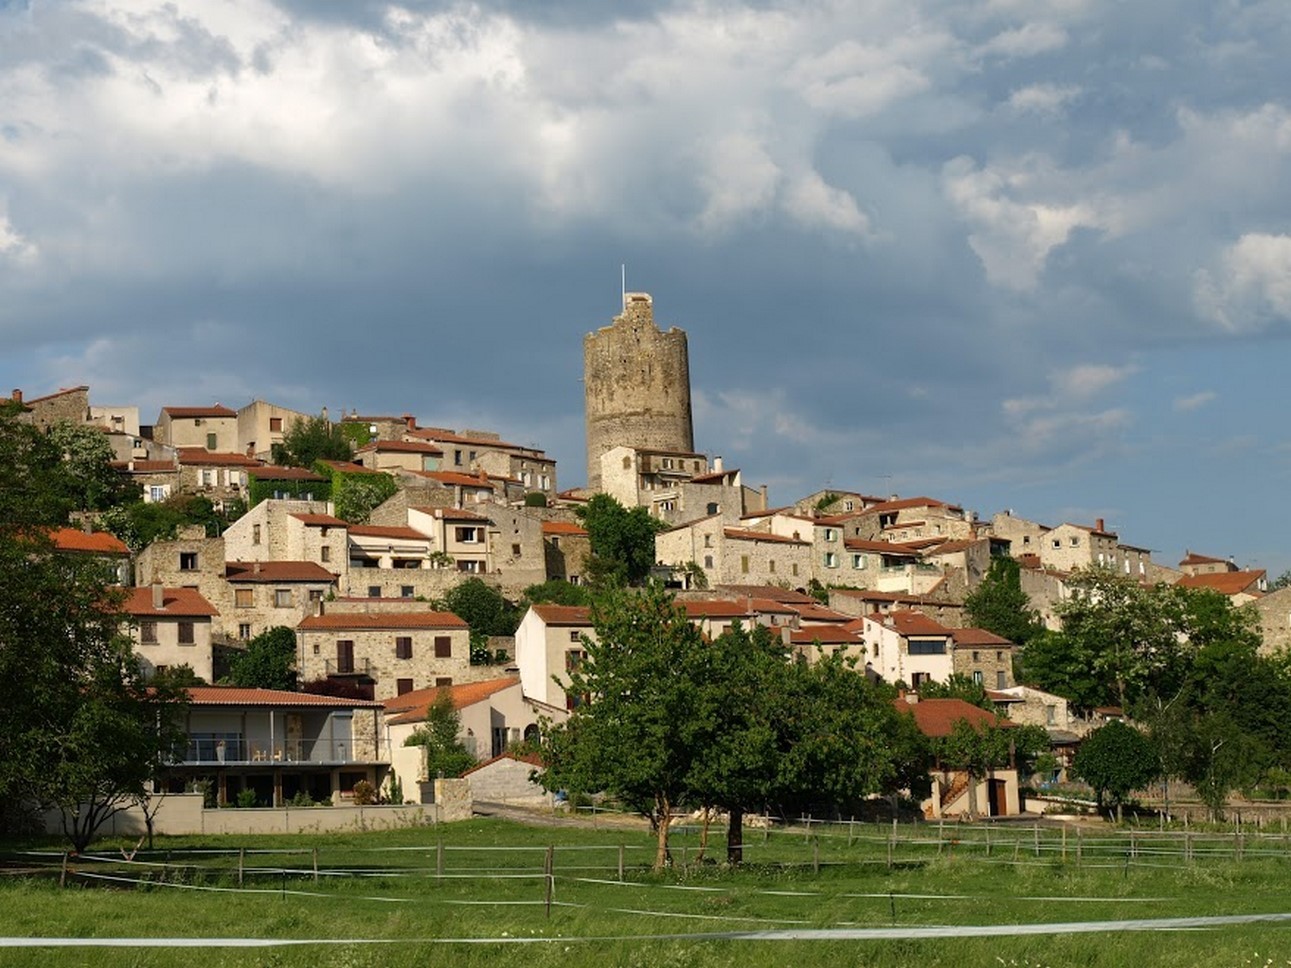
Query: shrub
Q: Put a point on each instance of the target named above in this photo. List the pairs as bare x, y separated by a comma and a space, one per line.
246, 798
365, 794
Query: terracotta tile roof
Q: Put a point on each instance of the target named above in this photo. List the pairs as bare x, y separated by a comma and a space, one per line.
380, 531
767, 606
348, 467
893, 598
180, 602
401, 447
563, 527
216, 411
276, 571
980, 637
274, 472
815, 612
564, 614
412, 707
715, 608
1085, 527
739, 534
937, 717
60, 392
440, 435
199, 455
902, 504
951, 547
453, 514
713, 476
320, 521
769, 512
458, 479
1226, 582
1192, 558
145, 466
573, 495
236, 696
533, 759
99, 543
880, 547
366, 621
774, 593
909, 623
825, 635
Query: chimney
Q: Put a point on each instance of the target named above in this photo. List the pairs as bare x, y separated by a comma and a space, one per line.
17, 396
717, 464
158, 596
1098, 524
763, 489
255, 568
410, 420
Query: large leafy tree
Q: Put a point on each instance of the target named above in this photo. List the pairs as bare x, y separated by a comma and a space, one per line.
309, 440
91, 481
445, 753
484, 609
269, 661
1116, 760
622, 542
79, 730
1000, 605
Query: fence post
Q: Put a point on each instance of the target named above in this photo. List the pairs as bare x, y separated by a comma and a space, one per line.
1187, 846
549, 867
62, 877
988, 841
1064, 843
1037, 838
891, 847
941, 823
242, 858
315, 865
851, 831
439, 861
815, 855
806, 832
1080, 843
621, 861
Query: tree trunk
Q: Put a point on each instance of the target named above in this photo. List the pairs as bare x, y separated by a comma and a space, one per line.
735, 837
664, 812
1118, 813
972, 797
703, 834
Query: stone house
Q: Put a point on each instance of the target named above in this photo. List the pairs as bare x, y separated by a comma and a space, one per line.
811, 642
288, 531
729, 555
460, 533
391, 653
859, 603
261, 425
211, 428
908, 647
68, 405
157, 480
279, 744
472, 451
1274, 611
1239, 586
170, 627
272, 482
470, 489
267, 594
1195, 564
984, 657
106, 548
399, 455
907, 519
548, 645
218, 477
830, 502
566, 548
715, 616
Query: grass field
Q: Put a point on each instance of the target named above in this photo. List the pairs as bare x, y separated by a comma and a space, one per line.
398, 897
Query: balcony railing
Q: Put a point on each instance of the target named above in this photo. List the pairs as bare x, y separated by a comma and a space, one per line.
354, 667
239, 751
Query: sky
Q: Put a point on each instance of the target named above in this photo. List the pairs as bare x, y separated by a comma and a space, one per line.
1022, 254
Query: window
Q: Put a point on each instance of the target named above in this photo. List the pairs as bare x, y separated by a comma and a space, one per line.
344, 656
858, 562
847, 505
325, 553
374, 591
667, 463
208, 478
275, 425
744, 564
244, 597
794, 568
188, 561
927, 647
515, 551
403, 647
443, 647
830, 534
441, 681
473, 567
771, 566
157, 492
457, 458
708, 541
211, 441
186, 632
402, 685
573, 659
1075, 541
148, 632
1050, 714
977, 676
976, 657
831, 559
575, 635
708, 561
712, 507
467, 535
255, 534
407, 591
1057, 542
1026, 539
282, 598
627, 463
1001, 679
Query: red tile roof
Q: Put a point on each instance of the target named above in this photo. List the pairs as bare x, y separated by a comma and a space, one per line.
216, 411
880, 547
980, 637
815, 612
715, 608
449, 437
376, 621
713, 476
564, 614
236, 696
401, 447
98, 543
1192, 558
321, 521
381, 531
412, 707
180, 602
273, 472
199, 455
909, 623
348, 467
1226, 582
61, 391
785, 596
563, 527
902, 504
937, 717
276, 571
825, 635
739, 534
453, 514
458, 479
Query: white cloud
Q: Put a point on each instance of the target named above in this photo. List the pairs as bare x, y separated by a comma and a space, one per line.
14, 246
1250, 288
1088, 380
1194, 401
813, 202
1042, 99
1025, 41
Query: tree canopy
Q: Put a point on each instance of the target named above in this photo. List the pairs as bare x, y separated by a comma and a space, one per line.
1000, 605
445, 753
311, 439
1116, 760
268, 662
621, 540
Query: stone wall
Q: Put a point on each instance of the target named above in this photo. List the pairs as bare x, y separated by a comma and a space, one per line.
636, 385
66, 406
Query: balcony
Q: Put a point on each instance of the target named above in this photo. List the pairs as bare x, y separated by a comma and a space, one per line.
319, 751
351, 667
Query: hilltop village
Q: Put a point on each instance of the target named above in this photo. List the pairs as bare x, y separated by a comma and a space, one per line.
350, 554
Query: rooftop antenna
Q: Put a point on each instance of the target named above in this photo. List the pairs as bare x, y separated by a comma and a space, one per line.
623, 271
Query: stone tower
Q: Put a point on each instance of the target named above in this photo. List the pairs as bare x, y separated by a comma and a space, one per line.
637, 385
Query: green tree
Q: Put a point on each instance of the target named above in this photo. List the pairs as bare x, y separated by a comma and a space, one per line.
1000, 605
621, 540
556, 591
91, 481
484, 609
976, 750
446, 755
355, 496
637, 738
1223, 758
268, 662
1282, 581
1116, 760
958, 686
309, 440
140, 523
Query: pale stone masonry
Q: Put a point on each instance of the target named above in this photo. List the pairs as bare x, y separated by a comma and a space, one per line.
170, 627
213, 428
984, 657
396, 651
730, 555
261, 425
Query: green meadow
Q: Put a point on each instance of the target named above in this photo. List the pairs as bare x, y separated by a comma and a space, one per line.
479, 893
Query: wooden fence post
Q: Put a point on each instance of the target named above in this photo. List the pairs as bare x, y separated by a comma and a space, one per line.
62, 877
815, 855
439, 861
315, 865
242, 859
621, 850
549, 867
